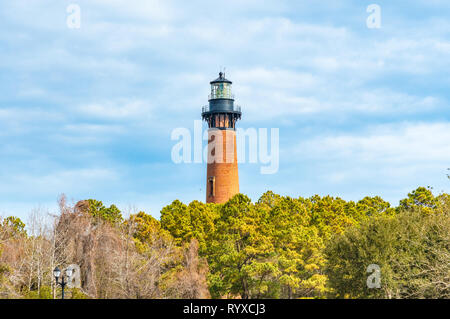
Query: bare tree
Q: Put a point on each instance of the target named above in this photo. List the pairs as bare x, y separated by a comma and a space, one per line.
113, 262
190, 283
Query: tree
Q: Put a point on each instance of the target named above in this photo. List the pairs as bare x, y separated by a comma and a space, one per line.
13, 226
421, 198
298, 249
13, 268
240, 253
268, 200
99, 211
148, 264
412, 250
195, 221
203, 219
177, 221
279, 247
145, 228
189, 280
332, 215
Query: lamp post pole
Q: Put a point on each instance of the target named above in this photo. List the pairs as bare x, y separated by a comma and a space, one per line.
63, 284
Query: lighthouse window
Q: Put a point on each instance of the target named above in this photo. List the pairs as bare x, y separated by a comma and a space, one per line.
221, 90
211, 186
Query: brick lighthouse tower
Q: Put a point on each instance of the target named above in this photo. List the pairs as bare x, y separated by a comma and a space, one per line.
222, 180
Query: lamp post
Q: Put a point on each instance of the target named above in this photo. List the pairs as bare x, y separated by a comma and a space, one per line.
63, 282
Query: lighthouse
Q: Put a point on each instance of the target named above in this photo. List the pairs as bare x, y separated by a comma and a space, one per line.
221, 115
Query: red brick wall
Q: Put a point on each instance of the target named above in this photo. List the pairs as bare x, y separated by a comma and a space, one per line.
225, 173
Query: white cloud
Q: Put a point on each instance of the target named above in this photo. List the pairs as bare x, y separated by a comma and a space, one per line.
263, 78
118, 110
150, 10
267, 93
56, 182
388, 160
399, 144
386, 101
137, 68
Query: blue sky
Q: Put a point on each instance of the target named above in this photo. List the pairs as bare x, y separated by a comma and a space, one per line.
88, 112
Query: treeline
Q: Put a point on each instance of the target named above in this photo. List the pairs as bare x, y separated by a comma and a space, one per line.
278, 247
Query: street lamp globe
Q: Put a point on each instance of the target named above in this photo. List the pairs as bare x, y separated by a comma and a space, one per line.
57, 272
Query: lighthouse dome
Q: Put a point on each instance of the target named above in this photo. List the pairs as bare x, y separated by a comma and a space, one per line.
221, 79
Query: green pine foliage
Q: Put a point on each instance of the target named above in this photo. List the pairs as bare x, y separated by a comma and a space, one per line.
276, 247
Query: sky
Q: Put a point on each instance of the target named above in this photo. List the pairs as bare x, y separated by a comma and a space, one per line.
89, 111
